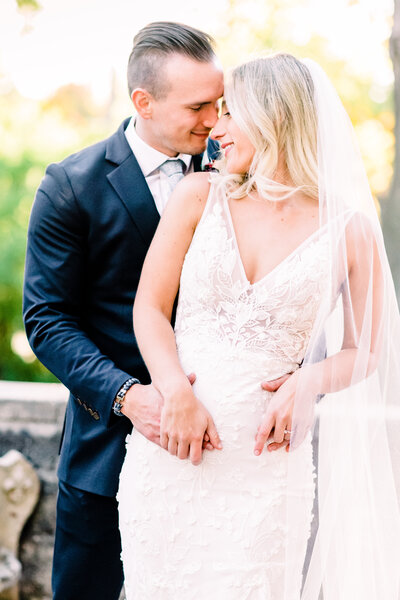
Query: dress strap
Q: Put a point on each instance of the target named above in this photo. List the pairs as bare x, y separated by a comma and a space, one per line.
214, 196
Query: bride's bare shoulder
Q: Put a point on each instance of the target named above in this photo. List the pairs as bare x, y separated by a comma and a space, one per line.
363, 236
190, 195
359, 227
194, 186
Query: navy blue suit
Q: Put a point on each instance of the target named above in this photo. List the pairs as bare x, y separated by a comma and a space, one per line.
91, 224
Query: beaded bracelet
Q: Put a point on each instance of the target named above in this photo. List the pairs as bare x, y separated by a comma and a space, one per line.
120, 397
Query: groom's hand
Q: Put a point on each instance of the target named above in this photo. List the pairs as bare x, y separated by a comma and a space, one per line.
143, 405
274, 384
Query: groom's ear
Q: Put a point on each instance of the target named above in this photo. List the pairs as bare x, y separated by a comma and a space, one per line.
142, 101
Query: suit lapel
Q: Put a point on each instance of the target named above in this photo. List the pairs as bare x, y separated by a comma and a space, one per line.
129, 183
197, 162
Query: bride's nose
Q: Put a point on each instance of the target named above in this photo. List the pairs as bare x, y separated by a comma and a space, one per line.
219, 130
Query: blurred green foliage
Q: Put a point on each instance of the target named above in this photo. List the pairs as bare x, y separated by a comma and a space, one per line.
31, 4
18, 179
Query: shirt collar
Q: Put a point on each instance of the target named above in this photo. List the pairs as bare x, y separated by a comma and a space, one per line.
149, 158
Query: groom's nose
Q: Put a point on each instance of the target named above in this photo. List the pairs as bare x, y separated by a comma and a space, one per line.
210, 116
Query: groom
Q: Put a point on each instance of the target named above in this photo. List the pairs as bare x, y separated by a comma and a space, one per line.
92, 221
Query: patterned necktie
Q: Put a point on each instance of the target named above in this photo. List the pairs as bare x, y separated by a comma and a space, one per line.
174, 170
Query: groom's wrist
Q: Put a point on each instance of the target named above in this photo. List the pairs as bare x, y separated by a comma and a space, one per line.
120, 397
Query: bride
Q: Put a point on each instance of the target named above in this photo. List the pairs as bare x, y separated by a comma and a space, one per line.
280, 262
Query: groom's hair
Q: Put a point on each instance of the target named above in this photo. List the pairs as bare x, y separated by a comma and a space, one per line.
152, 46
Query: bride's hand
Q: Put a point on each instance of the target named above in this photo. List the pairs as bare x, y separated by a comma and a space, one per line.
278, 418
184, 423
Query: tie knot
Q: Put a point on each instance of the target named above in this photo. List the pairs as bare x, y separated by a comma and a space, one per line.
174, 170
173, 167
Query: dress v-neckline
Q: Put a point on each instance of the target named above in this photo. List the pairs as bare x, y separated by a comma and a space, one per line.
279, 264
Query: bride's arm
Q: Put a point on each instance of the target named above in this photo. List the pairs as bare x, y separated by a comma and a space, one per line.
362, 297
184, 420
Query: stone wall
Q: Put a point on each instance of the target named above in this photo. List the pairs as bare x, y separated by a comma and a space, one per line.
31, 419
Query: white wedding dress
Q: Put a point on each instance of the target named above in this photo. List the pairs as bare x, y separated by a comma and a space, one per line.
218, 530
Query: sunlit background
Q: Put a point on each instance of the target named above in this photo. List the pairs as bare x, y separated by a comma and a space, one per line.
62, 86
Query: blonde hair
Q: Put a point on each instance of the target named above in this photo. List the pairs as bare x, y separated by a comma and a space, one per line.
272, 101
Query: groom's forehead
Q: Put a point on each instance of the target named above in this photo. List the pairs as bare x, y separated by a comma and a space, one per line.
192, 75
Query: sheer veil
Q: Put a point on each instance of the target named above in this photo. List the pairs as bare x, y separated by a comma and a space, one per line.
352, 396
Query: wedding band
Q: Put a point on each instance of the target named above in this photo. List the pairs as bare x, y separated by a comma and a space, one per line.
287, 431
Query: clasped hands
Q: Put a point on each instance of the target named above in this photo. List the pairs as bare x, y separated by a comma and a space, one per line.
186, 426
183, 426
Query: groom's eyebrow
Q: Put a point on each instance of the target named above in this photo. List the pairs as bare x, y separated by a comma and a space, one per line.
199, 103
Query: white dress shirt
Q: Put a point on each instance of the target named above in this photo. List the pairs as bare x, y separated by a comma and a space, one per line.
150, 160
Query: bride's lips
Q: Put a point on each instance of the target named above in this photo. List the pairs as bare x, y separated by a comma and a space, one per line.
227, 148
